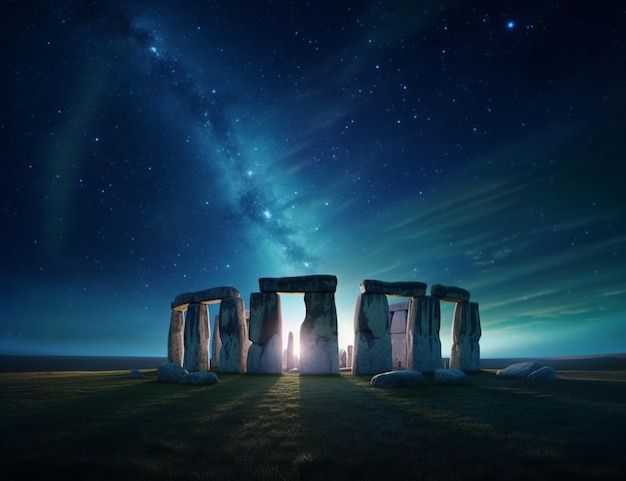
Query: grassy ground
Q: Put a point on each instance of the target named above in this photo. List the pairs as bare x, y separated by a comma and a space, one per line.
106, 426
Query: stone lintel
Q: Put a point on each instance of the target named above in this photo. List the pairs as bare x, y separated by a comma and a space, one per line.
207, 296
450, 293
399, 306
398, 289
299, 284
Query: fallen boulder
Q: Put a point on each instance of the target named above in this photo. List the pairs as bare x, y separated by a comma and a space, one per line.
450, 376
170, 372
545, 373
136, 374
398, 379
519, 370
200, 378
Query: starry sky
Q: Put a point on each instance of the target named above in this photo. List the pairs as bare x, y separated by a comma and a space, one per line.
151, 148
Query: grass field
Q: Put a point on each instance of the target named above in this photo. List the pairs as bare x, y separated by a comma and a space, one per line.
104, 425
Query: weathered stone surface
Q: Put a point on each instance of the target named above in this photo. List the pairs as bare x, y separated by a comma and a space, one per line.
545, 373
216, 343
398, 379
207, 296
450, 293
397, 334
422, 334
350, 356
343, 358
315, 283
466, 332
234, 335
319, 350
265, 317
266, 358
175, 338
372, 344
170, 372
136, 374
200, 379
519, 370
450, 376
196, 340
399, 306
398, 289
290, 361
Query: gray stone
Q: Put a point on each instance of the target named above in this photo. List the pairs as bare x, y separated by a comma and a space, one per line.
450, 376
200, 378
170, 372
398, 289
175, 338
207, 296
343, 359
265, 317
422, 335
350, 356
466, 332
234, 335
182, 301
450, 293
545, 373
289, 361
399, 306
136, 374
372, 344
398, 379
315, 283
216, 343
519, 370
265, 332
397, 334
319, 350
196, 339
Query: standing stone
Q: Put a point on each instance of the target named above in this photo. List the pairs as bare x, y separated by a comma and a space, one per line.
265, 352
350, 356
466, 332
234, 335
422, 334
216, 343
175, 338
397, 333
290, 363
196, 357
372, 344
319, 349
342, 359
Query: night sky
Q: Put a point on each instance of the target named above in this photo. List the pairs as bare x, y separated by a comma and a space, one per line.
152, 148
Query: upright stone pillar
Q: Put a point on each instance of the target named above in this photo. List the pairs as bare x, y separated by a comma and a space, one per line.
216, 343
290, 362
466, 332
234, 334
350, 356
265, 352
175, 338
422, 334
319, 349
196, 356
397, 331
372, 344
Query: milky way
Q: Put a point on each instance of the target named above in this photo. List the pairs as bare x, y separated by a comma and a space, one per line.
151, 149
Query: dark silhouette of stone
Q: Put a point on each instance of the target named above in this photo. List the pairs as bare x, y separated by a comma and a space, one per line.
319, 350
234, 335
450, 376
398, 379
207, 296
423, 343
399, 289
196, 338
265, 352
136, 374
170, 372
397, 333
519, 370
175, 338
216, 343
545, 373
314, 283
466, 332
450, 293
372, 344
